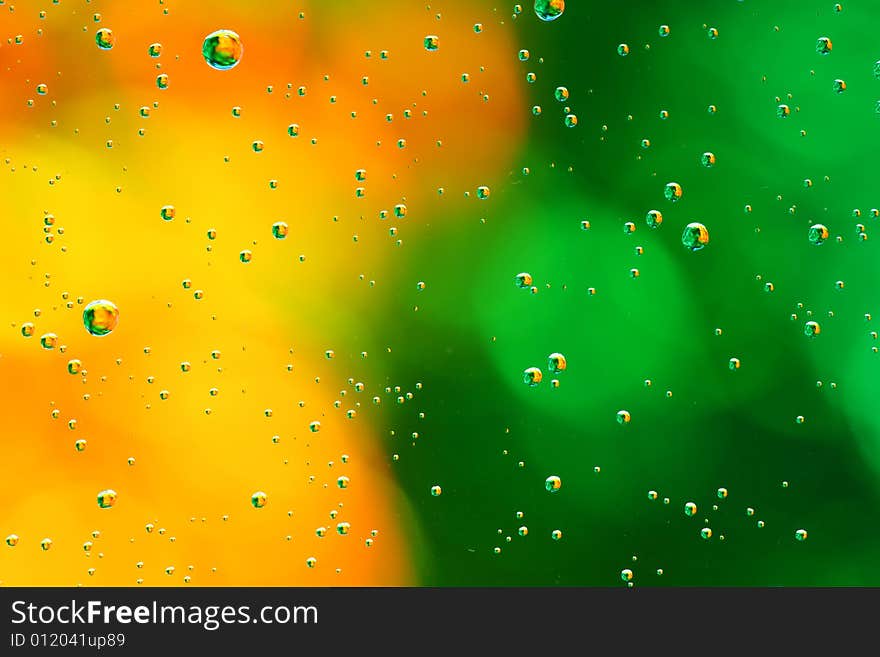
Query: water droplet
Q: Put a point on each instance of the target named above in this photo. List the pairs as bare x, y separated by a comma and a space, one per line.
222, 49
105, 38
549, 10
556, 363
259, 499
100, 317
532, 376
817, 234
107, 498
695, 236
672, 191
553, 483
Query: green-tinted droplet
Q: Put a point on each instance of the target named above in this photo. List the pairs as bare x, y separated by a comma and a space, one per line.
100, 317
553, 483
549, 10
222, 49
107, 498
105, 38
695, 236
817, 234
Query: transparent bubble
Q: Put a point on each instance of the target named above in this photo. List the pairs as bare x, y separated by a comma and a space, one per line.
167, 212
695, 236
672, 191
708, 159
343, 528
311, 562
524, 55
654, 218
80, 445
279, 230
817, 234
100, 317
259, 499
46, 544
48, 340
74, 366
549, 10
783, 111
556, 363
734, 364
652, 495
27, 330
571, 120
222, 49
839, 86
343, 482
436, 491
706, 533
556, 534
314, 426
105, 38
432, 42
155, 49
626, 575
690, 509
532, 376
663, 31
801, 535
483, 192
162, 80
623, 417
823, 45
561, 94
107, 498
553, 483
246, 256
812, 329
623, 50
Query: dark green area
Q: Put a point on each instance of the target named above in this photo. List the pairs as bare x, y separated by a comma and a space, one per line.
720, 428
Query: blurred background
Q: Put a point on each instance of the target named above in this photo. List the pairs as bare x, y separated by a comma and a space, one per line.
366, 372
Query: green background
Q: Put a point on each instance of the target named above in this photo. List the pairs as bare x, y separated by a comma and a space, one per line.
476, 332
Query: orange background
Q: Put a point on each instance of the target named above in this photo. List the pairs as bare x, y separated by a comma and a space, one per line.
193, 468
